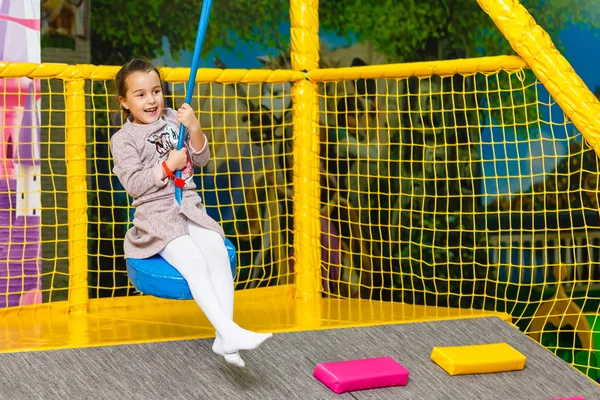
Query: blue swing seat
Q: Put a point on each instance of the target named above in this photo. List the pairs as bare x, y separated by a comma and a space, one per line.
156, 277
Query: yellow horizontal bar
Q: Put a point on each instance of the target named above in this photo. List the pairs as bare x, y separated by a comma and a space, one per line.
102, 72
19, 70
422, 69
232, 75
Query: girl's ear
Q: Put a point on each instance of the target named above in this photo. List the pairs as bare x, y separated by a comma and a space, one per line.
123, 102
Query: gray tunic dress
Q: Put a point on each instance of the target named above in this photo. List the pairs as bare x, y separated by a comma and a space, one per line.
138, 152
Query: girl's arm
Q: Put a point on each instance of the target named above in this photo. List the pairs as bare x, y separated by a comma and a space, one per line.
135, 178
200, 157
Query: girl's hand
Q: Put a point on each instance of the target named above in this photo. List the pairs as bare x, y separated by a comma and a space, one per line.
187, 117
177, 159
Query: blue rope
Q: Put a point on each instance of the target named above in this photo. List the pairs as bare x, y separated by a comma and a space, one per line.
191, 84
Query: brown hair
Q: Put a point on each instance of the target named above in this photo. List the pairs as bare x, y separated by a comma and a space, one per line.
135, 65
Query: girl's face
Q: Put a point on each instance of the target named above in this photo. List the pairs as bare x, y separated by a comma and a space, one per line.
144, 97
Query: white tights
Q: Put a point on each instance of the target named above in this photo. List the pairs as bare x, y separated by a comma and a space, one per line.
201, 258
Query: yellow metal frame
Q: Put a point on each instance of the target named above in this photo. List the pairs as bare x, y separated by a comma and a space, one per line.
175, 75
305, 77
81, 322
254, 76
304, 22
419, 69
77, 195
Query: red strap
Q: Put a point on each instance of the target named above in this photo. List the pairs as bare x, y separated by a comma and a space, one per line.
167, 170
180, 183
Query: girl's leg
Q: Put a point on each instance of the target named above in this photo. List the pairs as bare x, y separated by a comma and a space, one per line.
183, 254
213, 249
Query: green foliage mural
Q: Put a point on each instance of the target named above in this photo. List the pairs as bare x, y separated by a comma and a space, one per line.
404, 31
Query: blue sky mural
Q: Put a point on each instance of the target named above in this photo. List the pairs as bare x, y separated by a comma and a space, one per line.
511, 163
514, 164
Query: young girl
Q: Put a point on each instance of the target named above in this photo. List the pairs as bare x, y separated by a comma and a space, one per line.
145, 158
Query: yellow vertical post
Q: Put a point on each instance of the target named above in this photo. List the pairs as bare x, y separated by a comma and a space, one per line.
77, 195
304, 20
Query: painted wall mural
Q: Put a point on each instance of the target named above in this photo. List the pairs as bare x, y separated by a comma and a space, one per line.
20, 203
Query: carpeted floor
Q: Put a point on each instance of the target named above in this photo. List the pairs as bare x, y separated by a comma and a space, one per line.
282, 368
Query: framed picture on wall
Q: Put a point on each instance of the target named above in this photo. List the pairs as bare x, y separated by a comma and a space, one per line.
62, 22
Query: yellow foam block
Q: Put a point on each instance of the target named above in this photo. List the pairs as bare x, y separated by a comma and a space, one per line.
478, 359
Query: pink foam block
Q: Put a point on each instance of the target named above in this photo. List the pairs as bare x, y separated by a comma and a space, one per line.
369, 373
569, 398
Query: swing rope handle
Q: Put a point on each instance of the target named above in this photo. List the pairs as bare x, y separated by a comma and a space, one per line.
191, 84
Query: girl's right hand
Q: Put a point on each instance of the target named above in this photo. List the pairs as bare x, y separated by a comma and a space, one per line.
177, 159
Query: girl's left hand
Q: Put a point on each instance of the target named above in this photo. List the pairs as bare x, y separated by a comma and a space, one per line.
187, 117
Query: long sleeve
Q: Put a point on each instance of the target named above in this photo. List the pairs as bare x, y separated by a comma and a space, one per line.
200, 157
135, 178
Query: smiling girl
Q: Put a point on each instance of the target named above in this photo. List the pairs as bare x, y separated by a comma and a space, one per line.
145, 157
